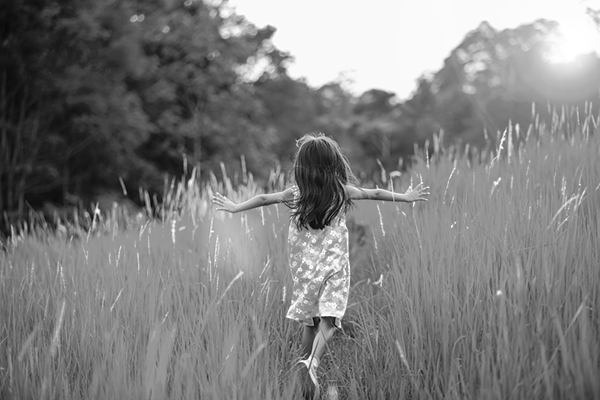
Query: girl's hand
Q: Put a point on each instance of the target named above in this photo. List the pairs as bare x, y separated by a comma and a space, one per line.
223, 203
418, 193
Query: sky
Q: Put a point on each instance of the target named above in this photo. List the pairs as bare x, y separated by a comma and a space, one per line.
388, 44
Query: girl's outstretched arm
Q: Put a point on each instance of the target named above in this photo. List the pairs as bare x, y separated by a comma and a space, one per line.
417, 193
224, 204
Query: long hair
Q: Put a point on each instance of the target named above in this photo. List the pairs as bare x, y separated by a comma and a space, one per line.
321, 172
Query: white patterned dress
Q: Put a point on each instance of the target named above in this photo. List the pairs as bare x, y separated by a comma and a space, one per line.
320, 271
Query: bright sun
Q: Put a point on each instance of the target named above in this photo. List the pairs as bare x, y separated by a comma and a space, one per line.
577, 36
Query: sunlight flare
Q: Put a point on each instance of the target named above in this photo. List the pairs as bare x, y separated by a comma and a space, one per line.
577, 36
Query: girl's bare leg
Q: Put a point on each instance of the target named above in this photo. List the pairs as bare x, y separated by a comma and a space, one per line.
325, 333
308, 337
326, 329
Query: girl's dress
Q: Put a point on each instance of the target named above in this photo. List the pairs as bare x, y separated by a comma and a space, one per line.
320, 270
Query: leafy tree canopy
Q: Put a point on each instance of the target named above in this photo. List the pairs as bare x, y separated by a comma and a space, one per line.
93, 91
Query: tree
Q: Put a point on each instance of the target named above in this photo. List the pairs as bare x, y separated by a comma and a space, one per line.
200, 97
377, 121
491, 78
92, 91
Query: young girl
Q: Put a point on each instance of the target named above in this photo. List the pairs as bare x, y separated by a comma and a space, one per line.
318, 238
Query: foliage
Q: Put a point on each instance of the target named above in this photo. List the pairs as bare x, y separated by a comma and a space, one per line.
124, 90
493, 78
99, 97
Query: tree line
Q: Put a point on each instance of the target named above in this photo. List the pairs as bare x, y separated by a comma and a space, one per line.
97, 95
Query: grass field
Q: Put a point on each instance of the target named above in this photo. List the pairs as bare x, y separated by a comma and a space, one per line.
488, 291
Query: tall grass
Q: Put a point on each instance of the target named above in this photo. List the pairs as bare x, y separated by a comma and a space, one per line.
488, 291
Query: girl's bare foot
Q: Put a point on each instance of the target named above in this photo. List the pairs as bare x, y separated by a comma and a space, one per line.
311, 366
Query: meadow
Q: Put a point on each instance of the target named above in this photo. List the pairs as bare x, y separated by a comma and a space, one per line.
490, 290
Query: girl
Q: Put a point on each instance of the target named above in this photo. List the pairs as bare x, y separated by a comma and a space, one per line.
318, 238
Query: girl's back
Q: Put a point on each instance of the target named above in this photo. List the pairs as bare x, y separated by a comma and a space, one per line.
321, 173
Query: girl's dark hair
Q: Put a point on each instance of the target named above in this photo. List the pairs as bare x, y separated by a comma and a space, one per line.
321, 172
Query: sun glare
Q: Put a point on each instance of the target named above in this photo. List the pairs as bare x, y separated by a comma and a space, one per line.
577, 36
